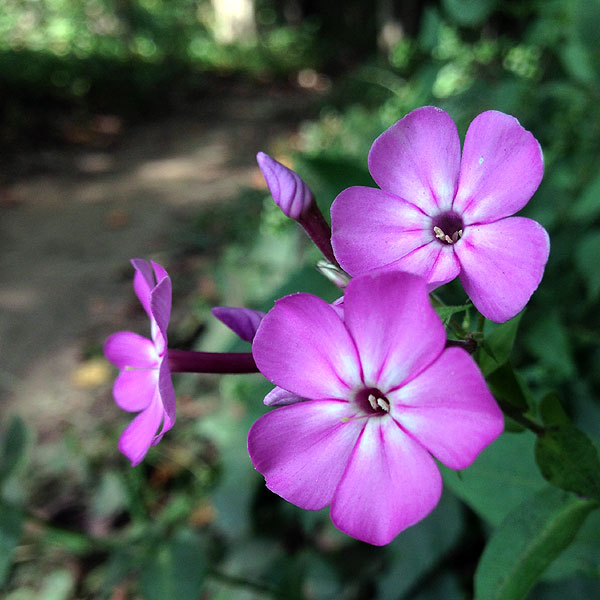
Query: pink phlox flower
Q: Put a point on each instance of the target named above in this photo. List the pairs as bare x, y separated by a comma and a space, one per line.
144, 383
381, 398
242, 321
440, 216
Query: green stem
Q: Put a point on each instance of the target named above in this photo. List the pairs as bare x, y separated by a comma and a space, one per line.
520, 418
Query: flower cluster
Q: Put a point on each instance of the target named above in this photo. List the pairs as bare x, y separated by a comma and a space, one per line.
368, 390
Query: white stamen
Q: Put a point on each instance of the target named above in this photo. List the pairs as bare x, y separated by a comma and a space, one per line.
373, 401
448, 239
460, 233
383, 404
455, 236
438, 233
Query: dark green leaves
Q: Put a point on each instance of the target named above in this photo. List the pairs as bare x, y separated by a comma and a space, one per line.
13, 447
526, 542
568, 459
11, 524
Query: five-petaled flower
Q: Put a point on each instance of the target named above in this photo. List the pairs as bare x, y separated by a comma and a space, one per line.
377, 397
144, 384
439, 216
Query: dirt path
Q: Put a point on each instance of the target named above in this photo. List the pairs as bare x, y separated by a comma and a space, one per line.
67, 235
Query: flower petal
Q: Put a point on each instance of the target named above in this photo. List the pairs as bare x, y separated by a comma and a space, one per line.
134, 388
128, 349
143, 282
502, 166
395, 328
160, 306
137, 437
242, 321
167, 393
502, 264
371, 228
302, 449
418, 159
280, 397
449, 409
435, 262
391, 482
303, 346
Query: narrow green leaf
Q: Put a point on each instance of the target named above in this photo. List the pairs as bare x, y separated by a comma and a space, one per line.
13, 447
568, 459
507, 386
498, 345
552, 412
526, 542
11, 525
445, 313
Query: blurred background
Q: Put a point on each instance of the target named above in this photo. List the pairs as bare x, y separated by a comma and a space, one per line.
128, 128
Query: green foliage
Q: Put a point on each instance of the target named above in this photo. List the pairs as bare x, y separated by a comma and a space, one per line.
11, 526
526, 542
13, 448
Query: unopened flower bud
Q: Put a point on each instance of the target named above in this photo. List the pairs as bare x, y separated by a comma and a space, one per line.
242, 321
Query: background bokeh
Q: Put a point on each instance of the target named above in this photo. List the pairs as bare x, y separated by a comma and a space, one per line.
129, 128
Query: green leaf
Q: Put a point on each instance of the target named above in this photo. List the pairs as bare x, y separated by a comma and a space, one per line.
498, 345
445, 313
508, 387
569, 460
11, 526
176, 569
552, 412
586, 260
13, 447
526, 542
503, 475
419, 548
587, 207
469, 12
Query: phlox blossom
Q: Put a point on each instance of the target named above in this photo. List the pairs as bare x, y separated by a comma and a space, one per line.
144, 383
441, 216
371, 399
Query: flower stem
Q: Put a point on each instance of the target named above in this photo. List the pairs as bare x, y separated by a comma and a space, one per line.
186, 361
318, 230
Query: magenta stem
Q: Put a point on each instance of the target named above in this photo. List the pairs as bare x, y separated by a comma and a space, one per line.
318, 230
186, 361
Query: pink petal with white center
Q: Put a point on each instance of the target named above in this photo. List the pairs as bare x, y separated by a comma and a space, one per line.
418, 159
502, 265
242, 321
138, 436
160, 306
435, 262
143, 282
280, 397
302, 449
134, 388
372, 228
394, 326
128, 349
502, 166
303, 347
449, 409
390, 483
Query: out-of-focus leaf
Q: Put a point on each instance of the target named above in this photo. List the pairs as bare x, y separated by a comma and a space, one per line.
13, 447
58, 585
497, 345
508, 387
469, 12
587, 252
526, 542
552, 412
500, 479
568, 459
175, 569
582, 556
419, 548
587, 207
578, 62
11, 526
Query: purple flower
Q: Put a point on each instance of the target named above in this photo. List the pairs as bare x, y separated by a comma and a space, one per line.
381, 398
242, 321
439, 216
144, 383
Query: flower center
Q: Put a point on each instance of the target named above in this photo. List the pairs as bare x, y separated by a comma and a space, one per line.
448, 227
372, 402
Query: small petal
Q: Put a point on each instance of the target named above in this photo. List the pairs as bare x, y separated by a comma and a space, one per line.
302, 449
242, 321
289, 191
138, 436
449, 409
143, 282
418, 159
134, 388
391, 483
160, 306
303, 347
280, 397
435, 262
167, 393
502, 265
371, 228
502, 166
394, 326
128, 349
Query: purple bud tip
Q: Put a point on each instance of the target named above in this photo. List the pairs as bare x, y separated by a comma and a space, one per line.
242, 321
290, 193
